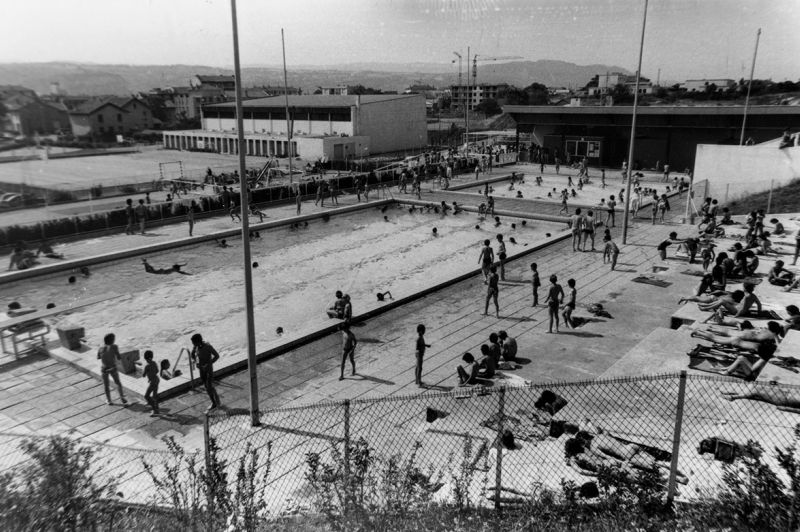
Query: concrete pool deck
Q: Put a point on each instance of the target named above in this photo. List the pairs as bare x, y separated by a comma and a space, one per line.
34, 391
30, 396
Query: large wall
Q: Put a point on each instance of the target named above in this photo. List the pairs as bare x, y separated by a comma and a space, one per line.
393, 125
733, 171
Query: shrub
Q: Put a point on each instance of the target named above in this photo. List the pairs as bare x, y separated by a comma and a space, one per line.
60, 196
59, 488
92, 222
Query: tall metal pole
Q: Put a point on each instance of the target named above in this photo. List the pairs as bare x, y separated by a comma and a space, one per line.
248, 275
466, 107
633, 133
749, 85
288, 120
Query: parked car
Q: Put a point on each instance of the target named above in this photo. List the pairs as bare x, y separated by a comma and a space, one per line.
11, 200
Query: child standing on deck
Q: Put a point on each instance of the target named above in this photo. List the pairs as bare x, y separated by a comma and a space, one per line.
536, 284
570, 306
151, 373
554, 298
420, 353
611, 251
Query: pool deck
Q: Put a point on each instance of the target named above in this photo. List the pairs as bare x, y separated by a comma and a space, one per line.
39, 394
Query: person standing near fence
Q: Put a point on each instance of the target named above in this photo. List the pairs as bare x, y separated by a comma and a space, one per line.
419, 353
141, 214
349, 344
204, 356
129, 214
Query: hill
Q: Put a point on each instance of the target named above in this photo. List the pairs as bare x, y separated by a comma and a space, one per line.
81, 78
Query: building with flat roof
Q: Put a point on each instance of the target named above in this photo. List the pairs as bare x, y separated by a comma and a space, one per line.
700, 85
664, 134
609, 80
472, 95
338, 90
336, 127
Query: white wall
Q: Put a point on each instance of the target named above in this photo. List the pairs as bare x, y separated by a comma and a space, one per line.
740, 170
393, 125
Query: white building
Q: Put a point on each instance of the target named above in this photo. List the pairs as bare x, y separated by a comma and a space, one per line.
699, 85
337, 127
473, 95
609, 80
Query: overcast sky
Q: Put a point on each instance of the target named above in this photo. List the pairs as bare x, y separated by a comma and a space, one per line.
685, 38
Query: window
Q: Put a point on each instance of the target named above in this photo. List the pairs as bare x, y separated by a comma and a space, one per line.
100, 119
119, 117
119, 128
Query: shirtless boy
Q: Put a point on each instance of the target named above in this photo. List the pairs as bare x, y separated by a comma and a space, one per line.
486, 259
555, 297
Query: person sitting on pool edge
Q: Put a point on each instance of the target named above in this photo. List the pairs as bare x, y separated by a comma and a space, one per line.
46, 249
468, 372
337, 307
509, 347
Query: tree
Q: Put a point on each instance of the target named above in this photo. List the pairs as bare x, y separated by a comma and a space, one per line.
513, 96
361, 89
157, 106
537, 94
621, 93
489, 107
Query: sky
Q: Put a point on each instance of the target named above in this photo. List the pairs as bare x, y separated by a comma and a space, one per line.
685, 39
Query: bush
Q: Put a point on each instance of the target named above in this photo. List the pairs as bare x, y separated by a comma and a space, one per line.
60, 196
128, 189
92, 222
58, 489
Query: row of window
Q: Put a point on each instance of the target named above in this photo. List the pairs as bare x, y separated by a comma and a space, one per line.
119, 117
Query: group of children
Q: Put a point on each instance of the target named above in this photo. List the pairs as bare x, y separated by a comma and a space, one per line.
23, 258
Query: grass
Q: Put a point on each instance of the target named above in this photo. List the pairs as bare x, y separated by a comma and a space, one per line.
784, 199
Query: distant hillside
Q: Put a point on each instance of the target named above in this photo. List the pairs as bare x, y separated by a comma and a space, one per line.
75, 78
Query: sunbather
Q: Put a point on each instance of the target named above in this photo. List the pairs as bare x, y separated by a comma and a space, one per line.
787, 400
750, 339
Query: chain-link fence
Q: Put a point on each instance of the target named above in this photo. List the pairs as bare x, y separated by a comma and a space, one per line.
494, 445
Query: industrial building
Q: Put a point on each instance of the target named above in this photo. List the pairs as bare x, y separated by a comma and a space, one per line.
473, 95
664, 134
336, 127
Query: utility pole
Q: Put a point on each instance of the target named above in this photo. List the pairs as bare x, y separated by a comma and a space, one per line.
633, 133
466, 107
288, 119
749, 85
248, 274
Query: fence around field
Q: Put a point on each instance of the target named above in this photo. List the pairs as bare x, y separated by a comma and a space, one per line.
658, 422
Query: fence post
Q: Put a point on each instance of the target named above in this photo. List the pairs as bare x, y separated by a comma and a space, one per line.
207, 453
75, 219
727, 189
346, 405
498, 472
105, 214
676, 438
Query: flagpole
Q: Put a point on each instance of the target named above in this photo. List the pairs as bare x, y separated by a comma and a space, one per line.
288, 120
248, 274
627, 200
747, 100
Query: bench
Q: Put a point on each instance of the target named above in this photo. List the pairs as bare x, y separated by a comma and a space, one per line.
31, 327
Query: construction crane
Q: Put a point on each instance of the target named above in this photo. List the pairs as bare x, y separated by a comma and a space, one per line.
459, 67
475, 64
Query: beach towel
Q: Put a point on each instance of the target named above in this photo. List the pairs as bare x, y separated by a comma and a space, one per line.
654, 282
695, 273
713, 365
597, 310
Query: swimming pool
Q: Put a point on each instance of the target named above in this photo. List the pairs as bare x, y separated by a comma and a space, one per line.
590, 196
299, 269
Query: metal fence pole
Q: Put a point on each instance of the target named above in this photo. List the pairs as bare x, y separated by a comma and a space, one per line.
207, 453
676, 438
498, 472
727, 189
346, 406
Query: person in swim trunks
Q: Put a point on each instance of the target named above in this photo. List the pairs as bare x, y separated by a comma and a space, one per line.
555, 297
570, 306
486, 259
108, 356
492, 291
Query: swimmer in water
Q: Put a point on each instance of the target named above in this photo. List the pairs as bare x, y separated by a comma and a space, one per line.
221, 243
497, 222
85, 271
176, 268
383, 295
435, 232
